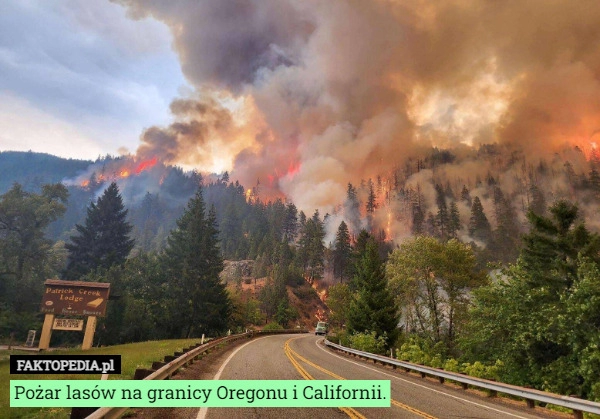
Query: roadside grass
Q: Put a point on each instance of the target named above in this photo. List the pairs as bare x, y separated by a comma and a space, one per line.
133, 356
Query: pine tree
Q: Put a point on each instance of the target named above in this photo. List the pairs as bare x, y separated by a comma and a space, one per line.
371, 199
311, 251
316, 248
465, 196
342, 252
538, 202
554, 243
479, 226
594, 182
373, 308
506, 235
418, 220
352, 209
103, 241
442, 218
290, 225
199, 301
453, 221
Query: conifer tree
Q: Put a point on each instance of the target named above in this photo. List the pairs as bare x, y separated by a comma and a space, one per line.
506, 235
465, 196
418, 220
538, 202
371, 199
554, 243
352, 209
103, 241
453, 221
342, 252
479, 226
199, 301
442, 218
311, 250
373, 309
290, 225
594, 182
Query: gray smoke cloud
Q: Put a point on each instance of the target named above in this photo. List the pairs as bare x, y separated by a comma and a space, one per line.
326, 92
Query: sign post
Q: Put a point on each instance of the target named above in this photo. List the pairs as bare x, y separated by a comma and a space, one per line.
90, 329
72, 298
46, 332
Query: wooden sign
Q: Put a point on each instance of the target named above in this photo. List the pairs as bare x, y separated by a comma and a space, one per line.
75, 298
67, 324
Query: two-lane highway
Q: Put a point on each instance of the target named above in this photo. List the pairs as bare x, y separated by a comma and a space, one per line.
293, 357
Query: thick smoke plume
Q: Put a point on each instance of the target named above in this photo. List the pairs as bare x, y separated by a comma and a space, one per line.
306, 96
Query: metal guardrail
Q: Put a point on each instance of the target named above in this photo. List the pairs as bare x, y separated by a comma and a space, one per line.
172, 367
530, 395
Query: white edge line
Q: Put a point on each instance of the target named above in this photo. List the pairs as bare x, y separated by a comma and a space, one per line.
203, 410
418, 385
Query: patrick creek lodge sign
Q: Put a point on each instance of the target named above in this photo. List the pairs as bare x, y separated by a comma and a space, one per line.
75, 298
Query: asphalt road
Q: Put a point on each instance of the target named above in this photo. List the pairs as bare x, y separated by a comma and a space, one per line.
296, 357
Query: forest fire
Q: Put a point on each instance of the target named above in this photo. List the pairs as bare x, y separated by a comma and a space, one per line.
117, 169
146, 164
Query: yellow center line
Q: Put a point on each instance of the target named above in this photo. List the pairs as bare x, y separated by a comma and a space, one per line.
289, 353
293, 353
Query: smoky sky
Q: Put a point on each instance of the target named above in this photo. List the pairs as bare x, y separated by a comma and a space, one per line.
345, 90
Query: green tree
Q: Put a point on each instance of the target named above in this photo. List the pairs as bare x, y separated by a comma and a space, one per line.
311, 250
339, 297
551, 248
27, 257
24, 217
453, 221
544, 342
432, 281
373, 308
192, 261
290, 225
371, 204
443, 217
342, 252
541, 320
103, 241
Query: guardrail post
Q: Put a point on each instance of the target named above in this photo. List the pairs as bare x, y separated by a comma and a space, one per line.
530, 403
577, 414
142, 373
441, 380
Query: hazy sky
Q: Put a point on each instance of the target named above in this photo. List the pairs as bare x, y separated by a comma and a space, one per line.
80, 78
301, 96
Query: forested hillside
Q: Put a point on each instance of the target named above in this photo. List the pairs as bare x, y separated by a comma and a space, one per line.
479, 260
32, 170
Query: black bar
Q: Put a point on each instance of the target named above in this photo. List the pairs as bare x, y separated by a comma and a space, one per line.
65, 364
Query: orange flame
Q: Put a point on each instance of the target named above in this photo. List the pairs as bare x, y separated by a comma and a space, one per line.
146, 164
293, 169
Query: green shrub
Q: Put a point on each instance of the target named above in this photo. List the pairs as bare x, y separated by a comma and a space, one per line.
273, 326
368, 342
451, 365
